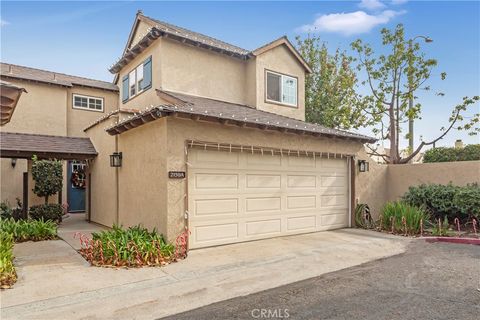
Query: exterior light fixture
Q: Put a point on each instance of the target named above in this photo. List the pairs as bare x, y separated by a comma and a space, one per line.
116, 159
14, 162
363, 166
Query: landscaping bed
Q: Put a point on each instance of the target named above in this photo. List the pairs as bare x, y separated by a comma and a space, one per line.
429, 211
132, 248
11, 232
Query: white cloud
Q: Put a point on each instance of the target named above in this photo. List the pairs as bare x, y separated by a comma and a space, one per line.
399, 1
371, 4
3, 23
349, 23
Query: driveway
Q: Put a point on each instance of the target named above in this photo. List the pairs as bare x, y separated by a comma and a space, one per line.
429, 281
56, 283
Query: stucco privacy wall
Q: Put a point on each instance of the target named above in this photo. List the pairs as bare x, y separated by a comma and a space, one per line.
400, 177
103, 183
180, 130
11, 179
143, 176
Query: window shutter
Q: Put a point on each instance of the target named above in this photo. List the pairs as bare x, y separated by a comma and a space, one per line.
125, 88
147, 73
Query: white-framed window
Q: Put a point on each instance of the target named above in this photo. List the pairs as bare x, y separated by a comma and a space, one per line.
135, 81
87, 103
281, 88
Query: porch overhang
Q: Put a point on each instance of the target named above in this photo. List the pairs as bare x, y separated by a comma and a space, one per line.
10, 94
25, 146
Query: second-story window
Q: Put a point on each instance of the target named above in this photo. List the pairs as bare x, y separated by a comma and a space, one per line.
87, 102
137, 80
281, 88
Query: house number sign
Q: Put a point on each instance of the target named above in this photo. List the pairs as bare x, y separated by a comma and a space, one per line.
176, 174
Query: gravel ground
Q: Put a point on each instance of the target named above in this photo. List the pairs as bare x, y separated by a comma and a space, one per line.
428, 281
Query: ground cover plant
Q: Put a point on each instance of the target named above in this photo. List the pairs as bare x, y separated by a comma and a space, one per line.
8, 276
29, 230
132, 247
403, 218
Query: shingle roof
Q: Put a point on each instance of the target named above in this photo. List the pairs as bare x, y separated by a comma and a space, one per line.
24, 145
13, 71
205, 108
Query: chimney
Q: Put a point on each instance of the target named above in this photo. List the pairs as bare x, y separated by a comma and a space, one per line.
10, 69
140, 12
459, 144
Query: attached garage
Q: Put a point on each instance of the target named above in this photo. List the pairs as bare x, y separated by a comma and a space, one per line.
241, 196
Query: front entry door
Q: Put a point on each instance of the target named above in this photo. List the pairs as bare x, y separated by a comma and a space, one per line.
76, 183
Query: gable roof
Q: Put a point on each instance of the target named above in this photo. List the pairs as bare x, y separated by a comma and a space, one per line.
163, 29
199, 108
12, 71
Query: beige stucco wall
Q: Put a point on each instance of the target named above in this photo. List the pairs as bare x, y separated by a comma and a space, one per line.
103, 177
143, 176
281, 60
201, 72
79, 119
42, 110
140, 31
400, 177
11, 180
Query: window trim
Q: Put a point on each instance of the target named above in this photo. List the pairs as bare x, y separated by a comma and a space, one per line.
88, 97
266, 100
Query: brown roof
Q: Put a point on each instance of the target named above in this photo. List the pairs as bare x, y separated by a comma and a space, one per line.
225, 112
24, 145
108, 115
163, 29
13, 71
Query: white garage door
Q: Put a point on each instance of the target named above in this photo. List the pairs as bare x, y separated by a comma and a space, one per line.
235, 197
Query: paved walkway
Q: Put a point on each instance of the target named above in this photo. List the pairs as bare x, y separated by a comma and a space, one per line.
75, 222
56, 283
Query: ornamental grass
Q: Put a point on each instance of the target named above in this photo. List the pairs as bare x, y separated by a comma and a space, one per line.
132, 247
403, 218
29, 230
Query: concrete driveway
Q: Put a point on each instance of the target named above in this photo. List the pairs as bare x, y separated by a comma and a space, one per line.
56, 283
430, 281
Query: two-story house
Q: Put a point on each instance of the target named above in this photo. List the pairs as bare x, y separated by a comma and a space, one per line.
53, 106
220, 146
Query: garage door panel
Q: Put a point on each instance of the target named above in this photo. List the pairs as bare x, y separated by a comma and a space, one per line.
305, 223
263, 227
301, 181
263, 204
260, 196
216, 181
302, 202
216, 233
263, 180
215, 207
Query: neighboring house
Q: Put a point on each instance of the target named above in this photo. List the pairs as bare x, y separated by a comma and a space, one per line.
219, 146
381, 150
55, 105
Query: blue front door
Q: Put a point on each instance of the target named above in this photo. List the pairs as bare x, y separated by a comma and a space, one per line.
76, 184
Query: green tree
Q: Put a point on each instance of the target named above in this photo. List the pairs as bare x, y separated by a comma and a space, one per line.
392, 79
48, 178
330, 88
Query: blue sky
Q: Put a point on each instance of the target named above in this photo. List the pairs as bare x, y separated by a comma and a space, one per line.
84, 38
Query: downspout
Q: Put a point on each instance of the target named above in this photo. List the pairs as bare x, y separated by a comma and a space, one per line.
117, 187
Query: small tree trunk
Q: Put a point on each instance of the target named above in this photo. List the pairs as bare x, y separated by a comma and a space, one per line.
46, 199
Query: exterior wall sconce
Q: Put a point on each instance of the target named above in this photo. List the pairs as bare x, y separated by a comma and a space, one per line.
363, 166
14, 162
116, 159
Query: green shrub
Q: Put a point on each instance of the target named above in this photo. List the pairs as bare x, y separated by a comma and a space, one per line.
5, 211
470, 152
132, 247
50, 211
446, 200
8, 275
404, 217
29, 230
